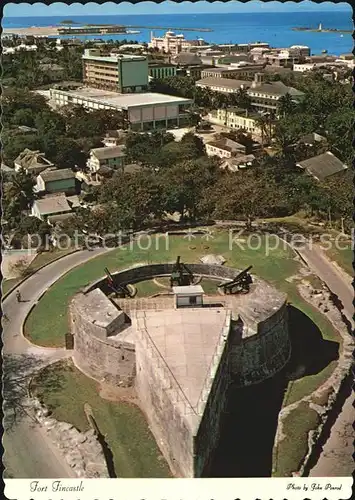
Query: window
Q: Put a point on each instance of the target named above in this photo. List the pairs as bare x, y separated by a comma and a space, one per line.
192, 301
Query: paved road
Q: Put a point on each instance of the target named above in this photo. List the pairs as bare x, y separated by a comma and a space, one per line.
43, 461
336, 457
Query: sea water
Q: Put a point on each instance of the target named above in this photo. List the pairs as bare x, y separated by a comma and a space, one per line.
272, 27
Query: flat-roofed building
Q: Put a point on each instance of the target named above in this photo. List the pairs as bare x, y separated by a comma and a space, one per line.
161, 70
120, 72
144, 111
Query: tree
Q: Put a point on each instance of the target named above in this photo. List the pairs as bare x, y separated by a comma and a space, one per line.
184, 183
286, 105
13, 145
67, 153
133, 199
23, 117
49, 123
17, 196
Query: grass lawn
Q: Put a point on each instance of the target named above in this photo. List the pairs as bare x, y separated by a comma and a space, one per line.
65, 390
293, 448
40, 260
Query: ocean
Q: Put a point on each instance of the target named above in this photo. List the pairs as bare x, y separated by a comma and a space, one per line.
272, 27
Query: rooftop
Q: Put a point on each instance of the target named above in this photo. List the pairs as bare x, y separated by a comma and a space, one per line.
108, 152
187, 343
275, 88
57, 175
52, 205
227, 145
188, 290
223, 82
323, 166
124, 101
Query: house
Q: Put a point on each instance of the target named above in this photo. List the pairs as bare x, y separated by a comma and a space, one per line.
238, 162
322, 166
224, 148
51, 205
113, 137
112, 157
56, 181
32, 162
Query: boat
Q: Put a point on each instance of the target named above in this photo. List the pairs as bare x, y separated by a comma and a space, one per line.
132, 32
324, 51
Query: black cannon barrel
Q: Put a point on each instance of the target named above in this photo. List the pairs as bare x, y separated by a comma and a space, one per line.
236, 279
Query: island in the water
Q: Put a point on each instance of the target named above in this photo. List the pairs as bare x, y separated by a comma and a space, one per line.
320, 29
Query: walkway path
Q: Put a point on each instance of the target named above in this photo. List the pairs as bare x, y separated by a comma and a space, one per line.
43, 461
336, 457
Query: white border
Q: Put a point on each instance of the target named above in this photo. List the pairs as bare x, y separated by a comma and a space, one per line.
338, 488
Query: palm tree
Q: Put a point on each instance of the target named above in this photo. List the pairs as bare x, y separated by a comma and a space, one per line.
286, 105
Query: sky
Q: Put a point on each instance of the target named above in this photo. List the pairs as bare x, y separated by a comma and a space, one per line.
109, 8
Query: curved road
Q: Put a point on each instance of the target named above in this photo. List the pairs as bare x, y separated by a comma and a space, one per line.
45, 460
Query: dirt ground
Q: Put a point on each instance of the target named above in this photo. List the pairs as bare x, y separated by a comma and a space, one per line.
118, 394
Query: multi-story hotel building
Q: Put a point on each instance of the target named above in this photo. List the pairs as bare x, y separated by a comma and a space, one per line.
172, 43
118, 72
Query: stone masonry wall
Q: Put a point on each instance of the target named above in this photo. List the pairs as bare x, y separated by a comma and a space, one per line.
168, 427
100, 357
208, 433
261, 356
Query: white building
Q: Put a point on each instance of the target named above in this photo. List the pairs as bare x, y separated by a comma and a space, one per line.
144, 111
302, 68
173, 43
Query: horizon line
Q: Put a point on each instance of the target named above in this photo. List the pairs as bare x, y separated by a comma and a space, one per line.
179, 14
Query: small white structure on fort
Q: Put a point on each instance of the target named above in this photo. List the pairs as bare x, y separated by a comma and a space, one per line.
188, 296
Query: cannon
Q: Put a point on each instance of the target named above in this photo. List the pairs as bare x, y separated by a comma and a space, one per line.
240, 284
181, 274
120, 290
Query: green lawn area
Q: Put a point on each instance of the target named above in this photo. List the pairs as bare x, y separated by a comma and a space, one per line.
292, 449
40, 260
344, 258
65, 390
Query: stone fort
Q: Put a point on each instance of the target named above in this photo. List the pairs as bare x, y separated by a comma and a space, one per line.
181, 354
